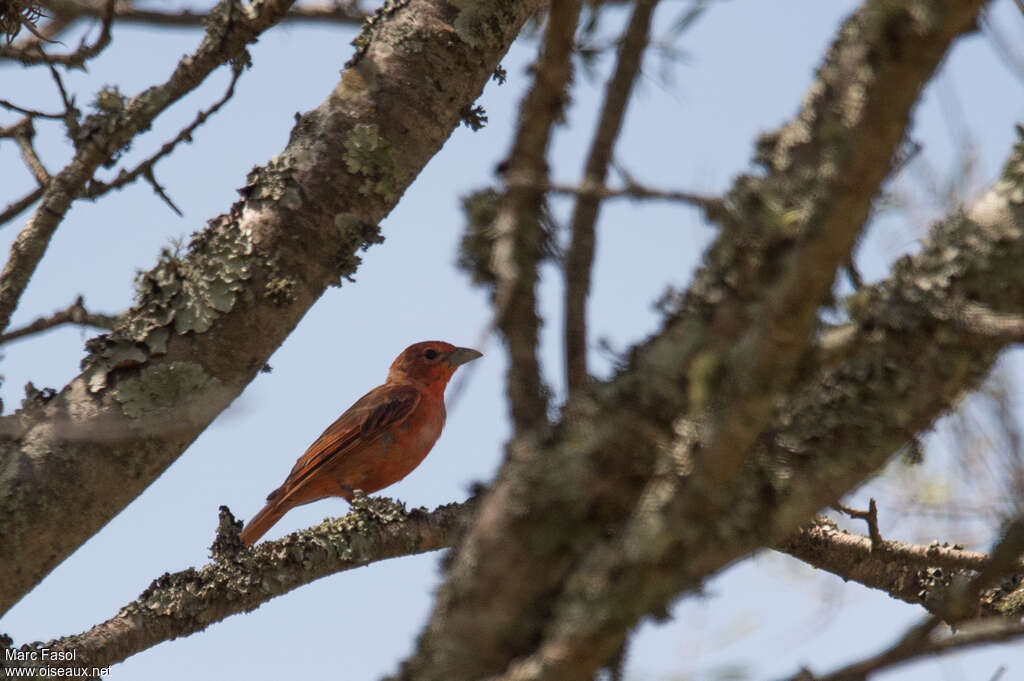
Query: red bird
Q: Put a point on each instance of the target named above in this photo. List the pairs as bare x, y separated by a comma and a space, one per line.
378, 441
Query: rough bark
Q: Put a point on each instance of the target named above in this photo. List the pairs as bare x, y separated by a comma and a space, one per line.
242, 578
538, 553
70, 463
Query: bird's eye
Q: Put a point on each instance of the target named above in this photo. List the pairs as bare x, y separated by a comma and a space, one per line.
430, 354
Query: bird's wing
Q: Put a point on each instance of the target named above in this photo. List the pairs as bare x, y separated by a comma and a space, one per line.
372, 416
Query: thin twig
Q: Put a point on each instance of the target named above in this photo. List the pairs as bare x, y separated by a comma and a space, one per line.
223, 42
66, 13
869, 516
580, 257
23, 137
97, 188
75, 313
28, 112
158, 189
69, 102
920, 641
16, 207
638, 192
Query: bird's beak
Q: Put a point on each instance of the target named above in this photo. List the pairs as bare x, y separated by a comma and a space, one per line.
460, 356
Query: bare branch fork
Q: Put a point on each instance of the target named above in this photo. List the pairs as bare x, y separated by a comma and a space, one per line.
519, 236
580, 256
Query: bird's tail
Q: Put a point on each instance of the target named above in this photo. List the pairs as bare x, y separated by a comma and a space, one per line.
263, 521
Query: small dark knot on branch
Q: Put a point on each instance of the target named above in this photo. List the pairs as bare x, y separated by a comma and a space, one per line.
228, 541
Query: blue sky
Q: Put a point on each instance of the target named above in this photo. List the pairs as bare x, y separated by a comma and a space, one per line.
747, 67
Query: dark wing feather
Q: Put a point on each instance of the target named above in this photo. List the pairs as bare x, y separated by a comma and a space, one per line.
371, 417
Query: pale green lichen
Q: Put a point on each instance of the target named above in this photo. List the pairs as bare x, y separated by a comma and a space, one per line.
369, 155
183, 293
272, 182
194, 291
166, 391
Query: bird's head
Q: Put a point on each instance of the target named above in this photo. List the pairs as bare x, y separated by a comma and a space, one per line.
430, 362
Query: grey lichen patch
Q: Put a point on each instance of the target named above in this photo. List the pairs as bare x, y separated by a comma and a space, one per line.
185, 294
350, 536
483, 23
107, 123
176, 392
369, 155
106, 354
272, 182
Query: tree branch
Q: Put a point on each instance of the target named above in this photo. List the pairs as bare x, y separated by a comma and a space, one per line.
33, 52
709, 204
16, 207
96, 188
105, 133
65, 13
28, 112
519, 240
23, 132
918, 642
241, 579
580, 257
921, 574
150, 387
738, 334
958, 605
74, 313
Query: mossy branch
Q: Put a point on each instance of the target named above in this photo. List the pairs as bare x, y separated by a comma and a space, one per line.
242, 578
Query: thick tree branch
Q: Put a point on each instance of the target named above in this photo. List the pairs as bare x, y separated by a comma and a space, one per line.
245, 281
75, 313
241, 579
737, 336
580, 256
